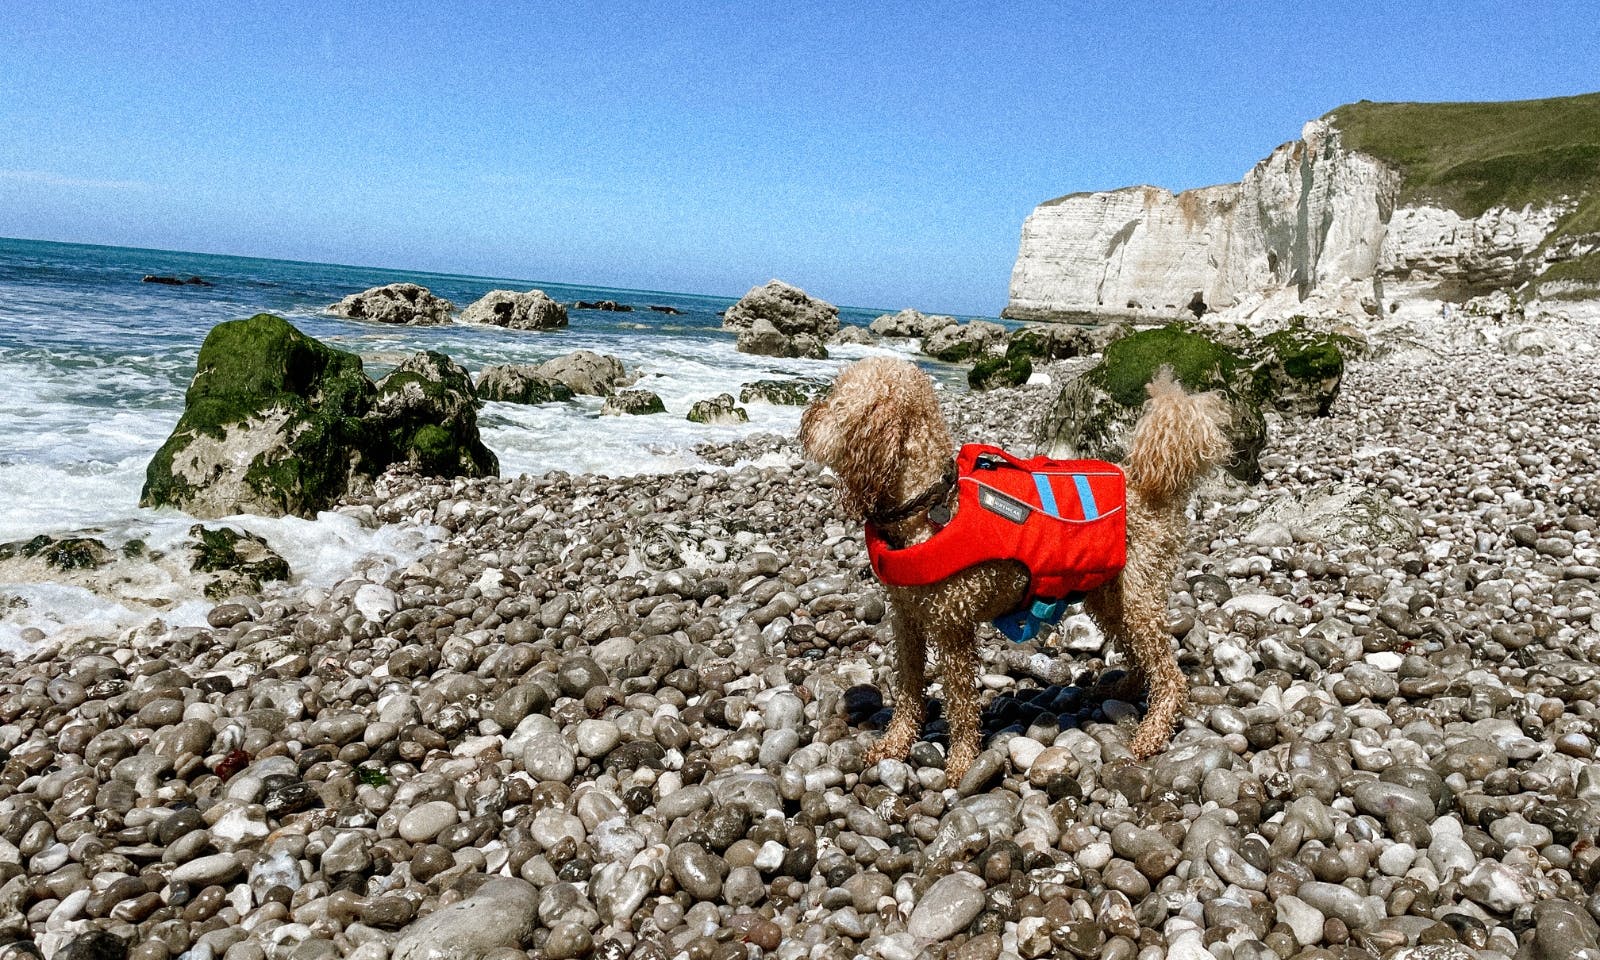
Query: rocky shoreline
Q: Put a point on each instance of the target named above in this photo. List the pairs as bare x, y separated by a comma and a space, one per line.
626, 718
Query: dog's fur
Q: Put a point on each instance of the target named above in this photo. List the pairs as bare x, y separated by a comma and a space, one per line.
881, 431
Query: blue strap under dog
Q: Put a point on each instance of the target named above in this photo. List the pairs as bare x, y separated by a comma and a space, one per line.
1032, 619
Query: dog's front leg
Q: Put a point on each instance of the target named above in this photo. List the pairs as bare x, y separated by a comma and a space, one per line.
958, 669
911, 654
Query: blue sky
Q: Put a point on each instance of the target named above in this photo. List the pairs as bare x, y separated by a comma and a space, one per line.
877, 154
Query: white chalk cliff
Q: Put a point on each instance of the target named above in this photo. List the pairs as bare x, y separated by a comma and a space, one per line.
1313, 228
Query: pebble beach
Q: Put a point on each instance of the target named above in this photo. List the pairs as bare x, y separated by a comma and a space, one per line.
625, 717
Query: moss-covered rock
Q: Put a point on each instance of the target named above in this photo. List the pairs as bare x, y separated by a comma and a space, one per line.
1094, 414
239, 562
991, 372
425, 414
1049, 341
717, 410
957, 343
60, 553
276, 423
632, 402
1300, 370
790, 393
271, 425
520, 383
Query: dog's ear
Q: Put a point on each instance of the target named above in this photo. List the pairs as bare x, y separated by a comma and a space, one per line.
859, 430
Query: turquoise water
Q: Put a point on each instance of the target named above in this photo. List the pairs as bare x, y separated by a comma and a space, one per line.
94, 364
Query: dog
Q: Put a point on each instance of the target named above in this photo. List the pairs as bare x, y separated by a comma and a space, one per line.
881, 432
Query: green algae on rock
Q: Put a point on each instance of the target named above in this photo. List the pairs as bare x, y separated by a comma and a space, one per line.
276, 422
991, 372
717, 410
1295, 371
240, 561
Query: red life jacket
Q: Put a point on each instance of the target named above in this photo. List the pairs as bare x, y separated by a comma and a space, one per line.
1065, 520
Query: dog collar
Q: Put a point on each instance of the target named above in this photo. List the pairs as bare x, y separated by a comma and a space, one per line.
926, 499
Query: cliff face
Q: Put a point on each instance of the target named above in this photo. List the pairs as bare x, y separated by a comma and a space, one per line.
1315, 227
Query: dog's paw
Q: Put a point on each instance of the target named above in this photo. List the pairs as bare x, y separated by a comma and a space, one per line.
888, 747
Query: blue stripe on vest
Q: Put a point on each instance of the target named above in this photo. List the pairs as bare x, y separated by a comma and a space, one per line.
1086, 496
1047, 497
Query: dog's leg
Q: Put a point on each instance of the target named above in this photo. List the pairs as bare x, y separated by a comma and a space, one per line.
1104, 607
958, 669
911, 653
1133, 620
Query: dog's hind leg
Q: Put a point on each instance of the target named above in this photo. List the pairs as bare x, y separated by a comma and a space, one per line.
911, 654
1134, 622
1104, 607
958, 669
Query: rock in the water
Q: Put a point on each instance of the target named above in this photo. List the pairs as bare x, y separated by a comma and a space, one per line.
520, 383
276, 423
718, 410
61, 554
586, 372
425, 414
238, 561
404, 303
909, 323
1093, 416
791, 393
530, 310
632, 402
789, 309
763, 339
963, 341
853, 334
271, 425
502, 913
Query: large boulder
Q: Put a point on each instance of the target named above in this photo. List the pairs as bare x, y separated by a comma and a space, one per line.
425, 414
520, 383
532, 310
788, 308
964, 341
403, 303
764, 339
586, 372
276, 422
1299, 370
909, 323
1093, 416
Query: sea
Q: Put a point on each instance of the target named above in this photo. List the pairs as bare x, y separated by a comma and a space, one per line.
94, 364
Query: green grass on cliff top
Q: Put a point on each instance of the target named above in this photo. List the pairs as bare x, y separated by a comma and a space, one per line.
1473, 156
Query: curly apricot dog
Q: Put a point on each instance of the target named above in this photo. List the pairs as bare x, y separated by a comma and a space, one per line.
881, 431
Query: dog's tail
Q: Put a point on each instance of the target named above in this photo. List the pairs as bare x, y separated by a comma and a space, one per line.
1178, 439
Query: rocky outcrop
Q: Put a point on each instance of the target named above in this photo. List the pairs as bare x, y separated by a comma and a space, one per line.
276, 422
233, 561
909, 323
992, 372
586, 372
718, 410
966, 341
520, 383
850, 333
1315, 228
763, 339
789, 309
1309, 216
529, 310
403, 303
